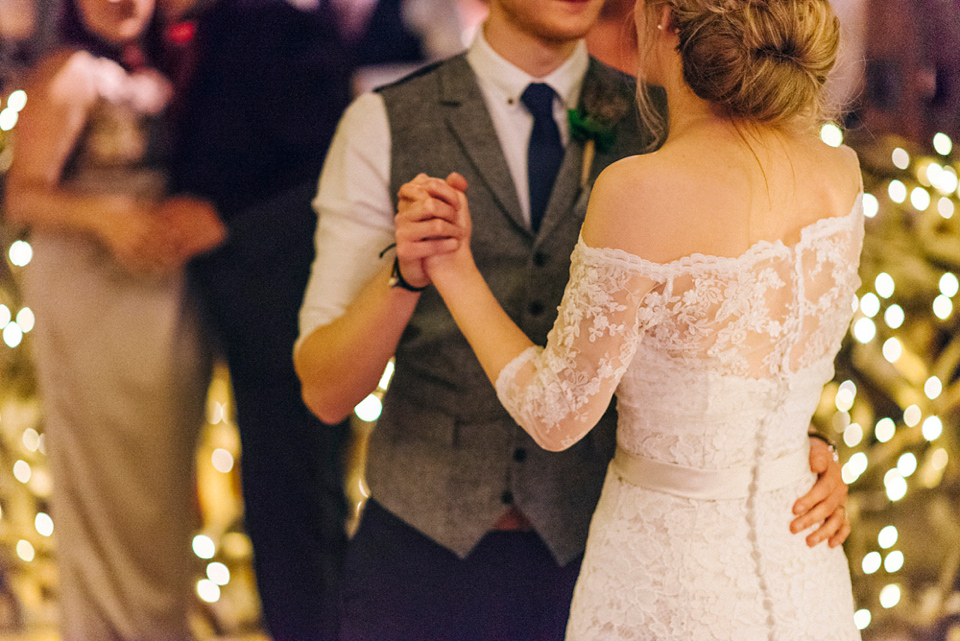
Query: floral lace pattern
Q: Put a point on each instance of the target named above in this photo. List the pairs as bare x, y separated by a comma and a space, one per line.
716, 362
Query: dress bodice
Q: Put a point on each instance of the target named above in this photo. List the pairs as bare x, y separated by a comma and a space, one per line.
714, 360
124, 144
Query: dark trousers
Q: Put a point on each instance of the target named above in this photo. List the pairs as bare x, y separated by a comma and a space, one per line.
292, 463
401, 586
294, 512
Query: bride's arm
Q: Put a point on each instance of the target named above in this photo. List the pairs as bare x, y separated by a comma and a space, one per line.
556, 393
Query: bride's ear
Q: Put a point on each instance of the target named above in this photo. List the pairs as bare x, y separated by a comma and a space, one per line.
666, 22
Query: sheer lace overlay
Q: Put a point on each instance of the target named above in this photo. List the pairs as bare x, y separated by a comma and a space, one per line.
717, 363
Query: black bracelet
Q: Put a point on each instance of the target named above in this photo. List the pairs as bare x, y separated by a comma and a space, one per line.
397, 280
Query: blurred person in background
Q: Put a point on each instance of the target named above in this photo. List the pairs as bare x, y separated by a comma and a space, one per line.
121, 357
265, 82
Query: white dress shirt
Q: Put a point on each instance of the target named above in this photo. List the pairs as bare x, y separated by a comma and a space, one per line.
353, 201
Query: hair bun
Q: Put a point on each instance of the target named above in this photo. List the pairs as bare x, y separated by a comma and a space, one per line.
765, 60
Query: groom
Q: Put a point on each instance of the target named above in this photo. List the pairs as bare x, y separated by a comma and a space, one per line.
472, 531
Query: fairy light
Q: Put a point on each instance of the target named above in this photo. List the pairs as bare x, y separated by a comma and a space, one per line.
8, 119
871, 206
897, 191
31, 439
929, 175
893, 316
871, 562
20, 253
870, 304
208, 591
887, 537
864, 330
893, 562
942, 144
222, 460
890, 595
895, 484
846, 394
900, 158
884, 429
907, 464
932, 387
884, 285
218, 573
939, 458
369, 409
949, 284
945, 208
853, 468
853, 435
203, 546
25, 319
43, 524
17, 100
892, 350
942, 307
25, 550
932, 428
831, 135
862, 618
947, 181
22, 471
920, 198
12, 335
912, 415
387, 375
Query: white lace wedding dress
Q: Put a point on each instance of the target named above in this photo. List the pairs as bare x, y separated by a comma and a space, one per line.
717, 371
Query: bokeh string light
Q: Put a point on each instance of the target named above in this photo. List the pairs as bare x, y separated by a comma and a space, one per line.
895, 403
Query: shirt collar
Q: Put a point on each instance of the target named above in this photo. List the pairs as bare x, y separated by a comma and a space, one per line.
510, 81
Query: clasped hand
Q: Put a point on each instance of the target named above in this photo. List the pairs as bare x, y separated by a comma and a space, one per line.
433, 228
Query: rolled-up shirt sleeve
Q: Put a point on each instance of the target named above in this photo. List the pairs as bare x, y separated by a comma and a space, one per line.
355, 214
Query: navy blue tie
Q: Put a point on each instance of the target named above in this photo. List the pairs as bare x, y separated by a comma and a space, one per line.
545, 152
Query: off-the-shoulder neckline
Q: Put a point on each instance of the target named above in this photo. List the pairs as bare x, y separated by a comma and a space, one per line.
817, 227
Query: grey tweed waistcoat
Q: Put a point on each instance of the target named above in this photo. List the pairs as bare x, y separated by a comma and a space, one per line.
445, 456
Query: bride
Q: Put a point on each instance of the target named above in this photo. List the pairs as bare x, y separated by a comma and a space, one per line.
709, 290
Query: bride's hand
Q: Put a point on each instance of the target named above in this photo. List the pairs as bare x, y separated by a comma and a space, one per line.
431, 222
448, 264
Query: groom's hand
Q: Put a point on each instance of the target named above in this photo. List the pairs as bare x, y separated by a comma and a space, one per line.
427, 223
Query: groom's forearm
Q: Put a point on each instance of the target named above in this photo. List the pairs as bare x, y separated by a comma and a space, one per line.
342, 362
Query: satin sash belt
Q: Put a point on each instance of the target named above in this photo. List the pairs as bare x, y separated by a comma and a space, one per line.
696, 483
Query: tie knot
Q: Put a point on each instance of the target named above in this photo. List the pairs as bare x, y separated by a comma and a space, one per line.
538, 98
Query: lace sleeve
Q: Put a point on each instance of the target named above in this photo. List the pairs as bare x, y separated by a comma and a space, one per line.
557, 393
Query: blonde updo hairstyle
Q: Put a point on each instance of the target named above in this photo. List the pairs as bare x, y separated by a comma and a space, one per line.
759, 61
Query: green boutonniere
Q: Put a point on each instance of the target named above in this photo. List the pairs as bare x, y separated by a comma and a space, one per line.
594, 122
584, 127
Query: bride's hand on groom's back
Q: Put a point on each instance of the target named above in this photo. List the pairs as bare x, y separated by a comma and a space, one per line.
823, 508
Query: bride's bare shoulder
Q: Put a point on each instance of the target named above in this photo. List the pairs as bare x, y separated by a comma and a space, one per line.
632, 203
